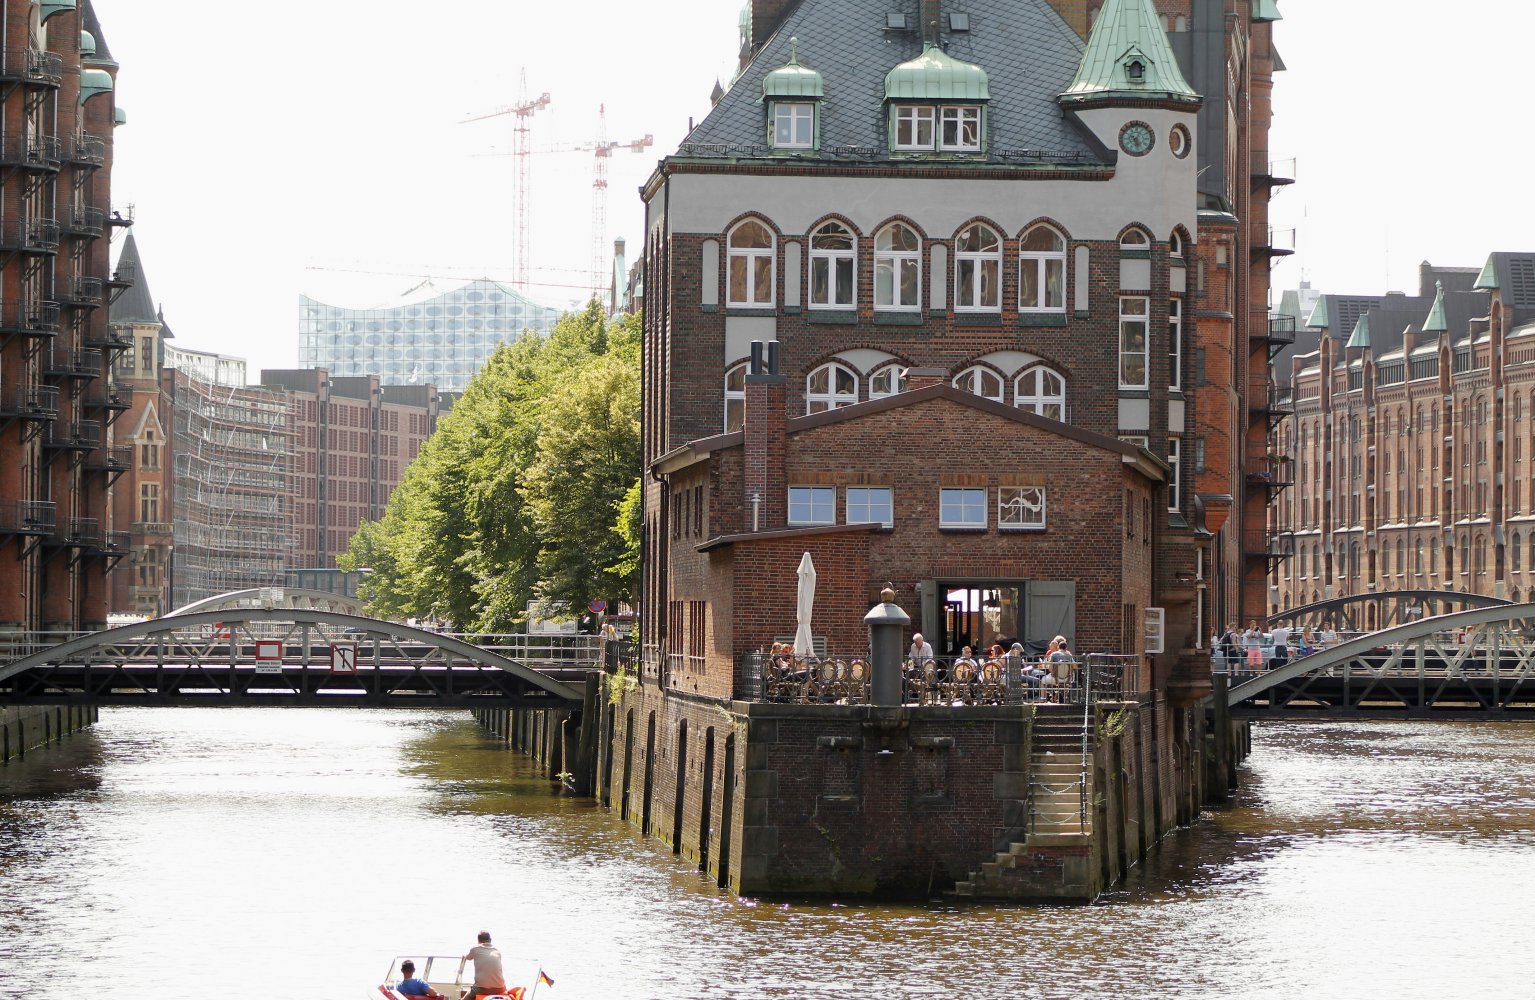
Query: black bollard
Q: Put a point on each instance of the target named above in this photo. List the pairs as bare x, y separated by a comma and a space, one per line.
887, 625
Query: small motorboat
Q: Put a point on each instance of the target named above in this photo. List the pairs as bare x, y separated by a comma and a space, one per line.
452, 975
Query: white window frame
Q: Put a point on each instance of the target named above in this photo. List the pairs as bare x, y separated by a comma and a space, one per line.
964, 118
969, 380
831, 398
1038, 262
1135, 238
1029, 398
964, 500
897, 263
893, 373
1175, 482
1175, 344
829, 259
749, 258
1175, 245
737, 396
915, 117
1128, 322
979, 262
813, 500
1017, 511
800, 117
864, 506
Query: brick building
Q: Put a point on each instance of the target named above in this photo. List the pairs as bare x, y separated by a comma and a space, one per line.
1408, 446
353, 438
973, 303
57, 404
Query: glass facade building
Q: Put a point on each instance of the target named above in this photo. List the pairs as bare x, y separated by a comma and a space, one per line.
429, 335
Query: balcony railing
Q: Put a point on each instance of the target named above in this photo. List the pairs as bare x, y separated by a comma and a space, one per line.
80, 291
125, 275
109, 337
1266, 542
31, 66
86, 220
112, 396
82, 435
1264, 398
1281, 329
31, 319
28, 517
30, 235
60, 362
88, 149
82, 532
22, 149
117, 543
118, 459
29, 402
1270, 472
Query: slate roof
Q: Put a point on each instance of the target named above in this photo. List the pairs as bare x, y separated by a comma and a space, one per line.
1029, 53
1513, 274
89, 22
135, 304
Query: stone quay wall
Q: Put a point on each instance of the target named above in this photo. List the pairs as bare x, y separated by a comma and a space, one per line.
23, 729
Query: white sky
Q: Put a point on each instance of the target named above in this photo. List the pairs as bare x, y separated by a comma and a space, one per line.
316, 146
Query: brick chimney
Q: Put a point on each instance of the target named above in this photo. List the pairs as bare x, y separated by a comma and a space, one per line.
765, 504
921, 378
930, 16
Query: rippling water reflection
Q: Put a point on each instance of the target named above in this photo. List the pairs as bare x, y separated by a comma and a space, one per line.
250, 853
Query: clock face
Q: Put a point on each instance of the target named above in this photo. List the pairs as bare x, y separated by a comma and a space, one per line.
1136, 138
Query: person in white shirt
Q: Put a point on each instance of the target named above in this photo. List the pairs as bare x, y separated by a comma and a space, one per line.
489, 980
921, 650
1281, 637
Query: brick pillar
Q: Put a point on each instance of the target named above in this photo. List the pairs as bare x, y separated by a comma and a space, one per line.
764, 475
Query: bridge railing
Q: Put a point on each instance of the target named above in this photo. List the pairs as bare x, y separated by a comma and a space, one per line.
951, 681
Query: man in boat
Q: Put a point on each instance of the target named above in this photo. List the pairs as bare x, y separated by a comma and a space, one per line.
488, 978
413, 987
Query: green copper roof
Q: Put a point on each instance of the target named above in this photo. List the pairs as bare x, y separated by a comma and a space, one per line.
1361, 337
87, 44
119, 116
1488, 279
1266, 10
1318, 320
792, 80
1436, 321
52, 7
936, 75
93, 82
1128, 56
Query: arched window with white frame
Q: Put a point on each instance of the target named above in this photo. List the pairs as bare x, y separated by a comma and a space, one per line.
980, 380
735, 397
833, 264
1135, 238
977, 270
1175, 245
1042, 271
897, 268
1041, 390
830, 386
750, 250
887, 380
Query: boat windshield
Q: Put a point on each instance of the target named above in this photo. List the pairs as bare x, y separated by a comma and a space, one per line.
442, 972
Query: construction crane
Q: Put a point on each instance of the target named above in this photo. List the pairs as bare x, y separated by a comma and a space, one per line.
524, 110
602, 149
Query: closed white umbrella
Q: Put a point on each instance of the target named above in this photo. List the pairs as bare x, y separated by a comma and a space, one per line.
803, 646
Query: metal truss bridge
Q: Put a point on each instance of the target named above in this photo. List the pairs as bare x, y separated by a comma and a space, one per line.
1472, 664
290, 656
1381, 609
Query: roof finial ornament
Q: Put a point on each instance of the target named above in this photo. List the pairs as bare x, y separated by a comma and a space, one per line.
793, 50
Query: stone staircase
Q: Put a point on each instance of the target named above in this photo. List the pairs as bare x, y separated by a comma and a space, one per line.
1055, 859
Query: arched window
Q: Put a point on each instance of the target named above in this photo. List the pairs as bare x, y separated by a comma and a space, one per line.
981, 381
1514, 596
1041, 390
832, 267
1042, 271
897, 268
1515, 553
750, 251
1135, 238
1481, 555
735, 397
1531, 553
830, 386
977, 270
1175, 244
1401, 557
887, 381
1417, 559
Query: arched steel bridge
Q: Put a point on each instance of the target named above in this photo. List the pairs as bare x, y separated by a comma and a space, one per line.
274, 597
1478, 663
290, 656
1368, 612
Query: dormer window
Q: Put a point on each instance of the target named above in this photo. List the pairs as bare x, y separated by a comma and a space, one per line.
953, 128
794, 126
935, 104
961, 128
914, 127
1136, 71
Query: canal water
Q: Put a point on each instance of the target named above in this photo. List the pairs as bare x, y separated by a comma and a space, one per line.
189, 853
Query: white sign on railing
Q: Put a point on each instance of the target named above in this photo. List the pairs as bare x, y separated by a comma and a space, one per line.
343, 656
268, 656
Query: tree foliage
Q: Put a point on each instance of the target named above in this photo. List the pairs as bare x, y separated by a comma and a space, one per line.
527, 491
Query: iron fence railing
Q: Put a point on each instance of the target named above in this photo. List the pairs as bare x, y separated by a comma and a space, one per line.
953, 681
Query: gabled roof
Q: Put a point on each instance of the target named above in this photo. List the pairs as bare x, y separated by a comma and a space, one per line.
1029, 54
135, 305
1128, 33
